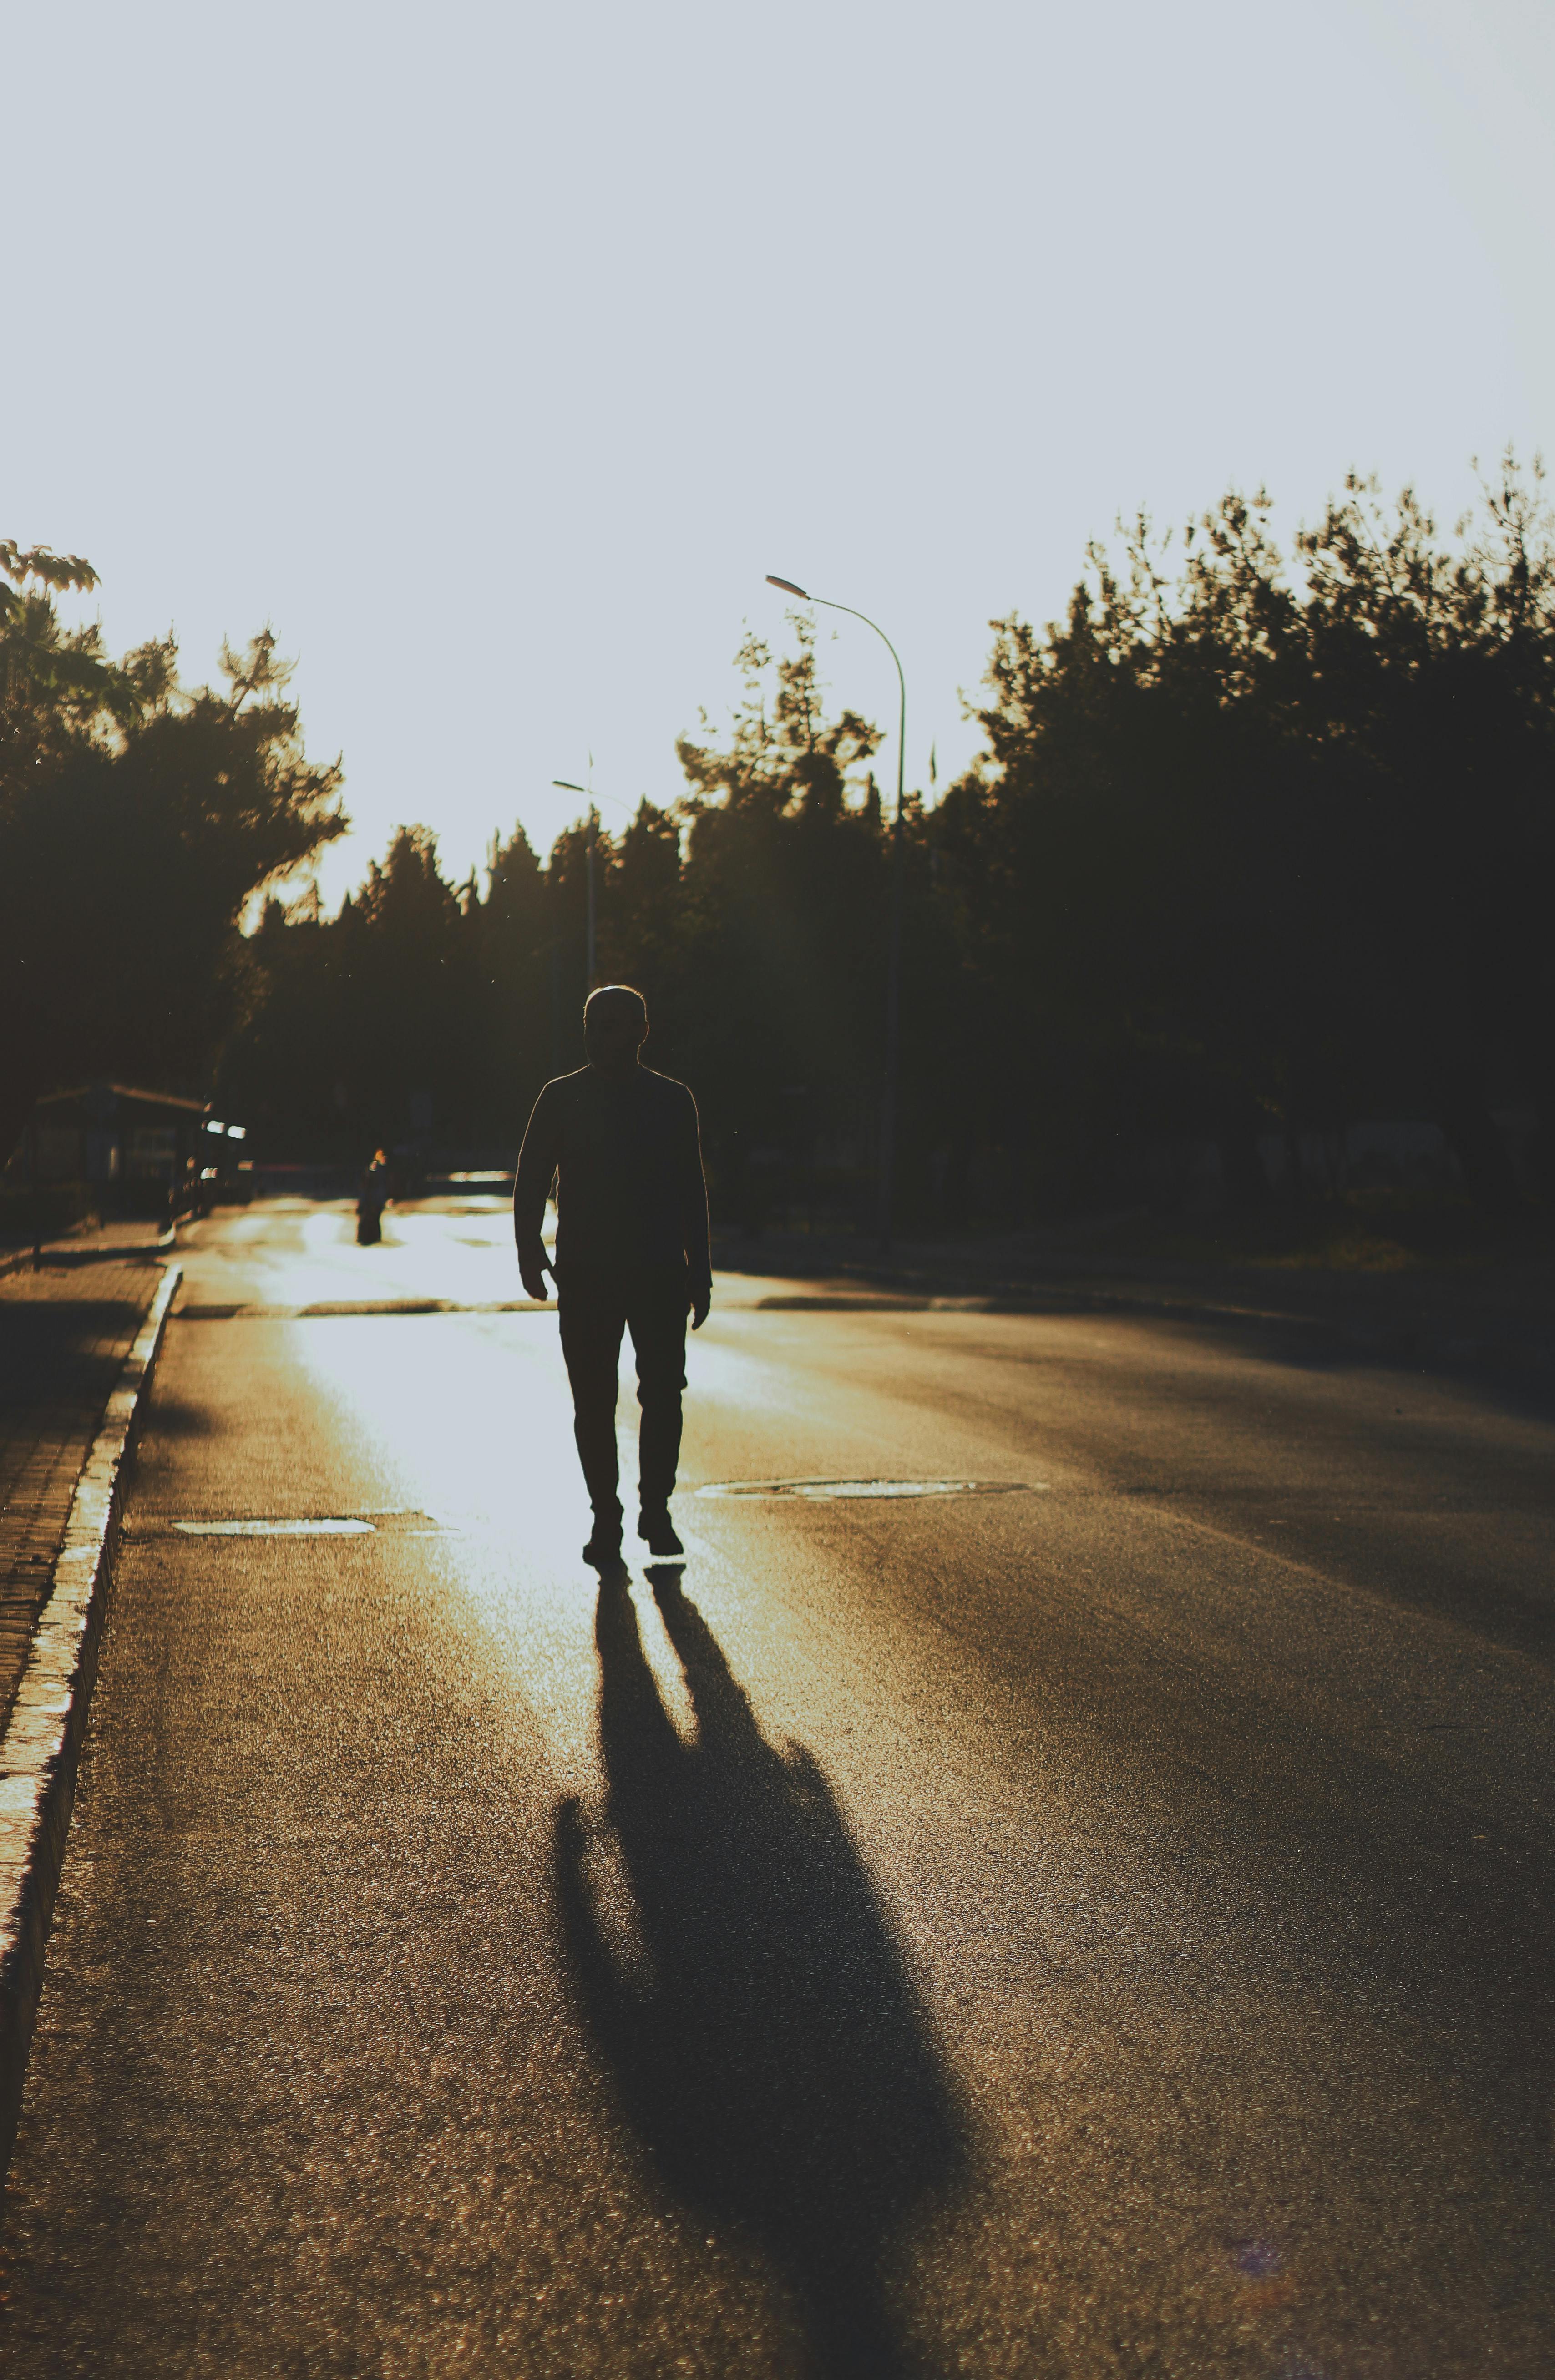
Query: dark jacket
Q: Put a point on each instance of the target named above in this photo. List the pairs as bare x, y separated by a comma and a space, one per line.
627, 1160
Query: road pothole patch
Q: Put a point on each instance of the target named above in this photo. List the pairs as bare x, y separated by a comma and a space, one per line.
353, 1308
824, 1491
323, 1528
289, 1524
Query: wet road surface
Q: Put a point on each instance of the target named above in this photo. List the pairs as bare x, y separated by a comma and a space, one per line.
1100, 1927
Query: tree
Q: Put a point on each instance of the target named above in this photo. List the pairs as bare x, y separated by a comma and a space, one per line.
1275, 853
782, 908
1433, 671
136, 821
416, 992
518, 962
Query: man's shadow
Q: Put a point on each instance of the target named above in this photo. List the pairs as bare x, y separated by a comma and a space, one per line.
764, 2031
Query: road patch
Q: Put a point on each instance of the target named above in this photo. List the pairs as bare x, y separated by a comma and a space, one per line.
397, 1522
274, 1528
822, 1491
334, 1309
842, 1301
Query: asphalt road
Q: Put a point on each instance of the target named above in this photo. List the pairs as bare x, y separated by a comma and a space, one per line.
1099, 1926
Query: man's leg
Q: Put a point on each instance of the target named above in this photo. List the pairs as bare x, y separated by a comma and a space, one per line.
656, 1318
593, 1313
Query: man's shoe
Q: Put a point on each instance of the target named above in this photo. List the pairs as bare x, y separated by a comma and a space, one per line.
604, 1542
657, 1531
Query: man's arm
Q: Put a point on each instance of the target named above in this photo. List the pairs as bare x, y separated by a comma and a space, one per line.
532, 1187
693, 1189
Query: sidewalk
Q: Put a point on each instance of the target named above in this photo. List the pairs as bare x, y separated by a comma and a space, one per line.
64, 1332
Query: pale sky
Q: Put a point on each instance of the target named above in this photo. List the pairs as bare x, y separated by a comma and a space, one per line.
494, 354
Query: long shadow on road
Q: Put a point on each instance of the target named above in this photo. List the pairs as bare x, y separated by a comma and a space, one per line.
759, 2018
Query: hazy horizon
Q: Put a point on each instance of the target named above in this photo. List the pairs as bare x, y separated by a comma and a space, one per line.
495, 359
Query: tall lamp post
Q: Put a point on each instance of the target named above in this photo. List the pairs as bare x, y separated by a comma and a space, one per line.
564, 787
893, 961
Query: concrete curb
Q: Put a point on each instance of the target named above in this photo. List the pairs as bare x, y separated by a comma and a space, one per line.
42, 1740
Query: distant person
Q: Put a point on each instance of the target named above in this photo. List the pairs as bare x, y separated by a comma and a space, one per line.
373, 1197
631, 1253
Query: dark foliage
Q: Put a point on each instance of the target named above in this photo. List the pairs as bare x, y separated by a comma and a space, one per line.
1254, 848
135, 821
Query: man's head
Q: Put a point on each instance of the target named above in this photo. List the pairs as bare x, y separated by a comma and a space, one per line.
615, 1027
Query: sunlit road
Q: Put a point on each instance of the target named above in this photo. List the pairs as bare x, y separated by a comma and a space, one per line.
1102, 1926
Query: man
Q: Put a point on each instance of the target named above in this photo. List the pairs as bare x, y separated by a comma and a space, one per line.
631, 1252
373, 1197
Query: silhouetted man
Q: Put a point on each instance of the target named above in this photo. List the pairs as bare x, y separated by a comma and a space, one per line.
373, 1197
631, 1252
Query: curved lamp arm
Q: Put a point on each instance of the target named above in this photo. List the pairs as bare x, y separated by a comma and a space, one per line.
789, 589
566, 785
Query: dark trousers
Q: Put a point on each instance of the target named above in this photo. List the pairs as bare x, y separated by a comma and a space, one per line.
651, 1303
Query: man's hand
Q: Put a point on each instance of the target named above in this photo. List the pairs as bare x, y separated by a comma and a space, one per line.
532, 1270
700, 1301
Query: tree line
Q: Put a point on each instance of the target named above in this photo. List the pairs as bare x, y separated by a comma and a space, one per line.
1257, 843
137, 818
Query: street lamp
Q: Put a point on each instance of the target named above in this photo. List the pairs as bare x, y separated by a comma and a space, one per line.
893, 962
565, 785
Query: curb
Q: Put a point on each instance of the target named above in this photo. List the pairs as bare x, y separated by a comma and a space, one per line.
43, 1742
